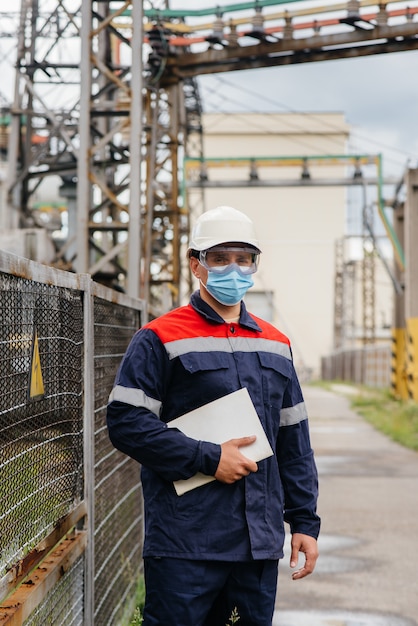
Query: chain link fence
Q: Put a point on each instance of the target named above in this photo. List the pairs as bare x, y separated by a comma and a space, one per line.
118, 505
62, 337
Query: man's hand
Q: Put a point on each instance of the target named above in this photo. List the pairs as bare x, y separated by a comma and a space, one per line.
308, 545
233, 465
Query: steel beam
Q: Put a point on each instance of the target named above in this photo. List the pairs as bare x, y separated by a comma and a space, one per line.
134, 228
289, 182
411, 247
285, 51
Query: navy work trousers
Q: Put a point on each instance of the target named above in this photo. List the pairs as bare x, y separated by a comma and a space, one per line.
182, 592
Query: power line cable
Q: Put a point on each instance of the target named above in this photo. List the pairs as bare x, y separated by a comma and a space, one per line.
288, 109
325, 123
292, 126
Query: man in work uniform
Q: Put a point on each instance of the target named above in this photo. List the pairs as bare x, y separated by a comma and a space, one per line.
214, 550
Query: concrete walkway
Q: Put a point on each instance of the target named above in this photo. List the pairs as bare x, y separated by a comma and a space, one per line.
367, 573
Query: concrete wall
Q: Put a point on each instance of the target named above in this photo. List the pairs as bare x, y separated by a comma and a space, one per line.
297, 226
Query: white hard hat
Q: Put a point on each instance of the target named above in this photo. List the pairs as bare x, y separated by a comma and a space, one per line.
223, 225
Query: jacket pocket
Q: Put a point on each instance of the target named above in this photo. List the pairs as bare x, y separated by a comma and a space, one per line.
203, 378
277, 363
204, 361
276, 372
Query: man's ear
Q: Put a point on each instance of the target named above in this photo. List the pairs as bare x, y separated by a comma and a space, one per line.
194, 266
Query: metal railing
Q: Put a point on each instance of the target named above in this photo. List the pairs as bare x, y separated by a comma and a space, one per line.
70, 504
370, 365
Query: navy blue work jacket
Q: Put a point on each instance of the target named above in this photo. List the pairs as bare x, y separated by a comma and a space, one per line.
183, 360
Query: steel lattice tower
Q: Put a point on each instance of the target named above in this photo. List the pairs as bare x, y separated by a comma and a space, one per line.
86, 110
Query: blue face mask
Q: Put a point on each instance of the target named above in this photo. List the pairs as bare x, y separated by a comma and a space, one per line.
229, 288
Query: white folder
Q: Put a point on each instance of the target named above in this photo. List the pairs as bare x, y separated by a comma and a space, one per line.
229, 417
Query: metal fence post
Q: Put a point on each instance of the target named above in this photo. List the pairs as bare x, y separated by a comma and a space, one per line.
88, 451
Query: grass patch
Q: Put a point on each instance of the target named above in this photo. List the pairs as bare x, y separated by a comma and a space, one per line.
137, 617
396, 418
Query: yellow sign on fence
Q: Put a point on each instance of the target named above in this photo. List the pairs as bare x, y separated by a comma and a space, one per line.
36, 383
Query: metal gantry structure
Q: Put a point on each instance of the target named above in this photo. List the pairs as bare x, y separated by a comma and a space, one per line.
106, 99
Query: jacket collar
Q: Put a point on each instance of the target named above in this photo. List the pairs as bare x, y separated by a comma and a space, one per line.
206, 311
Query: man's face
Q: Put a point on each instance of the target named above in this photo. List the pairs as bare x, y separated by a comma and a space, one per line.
219, 261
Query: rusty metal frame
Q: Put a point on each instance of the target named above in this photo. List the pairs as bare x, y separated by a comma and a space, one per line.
22, 569
20, 604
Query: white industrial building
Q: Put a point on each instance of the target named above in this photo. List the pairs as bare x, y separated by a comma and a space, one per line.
298, 224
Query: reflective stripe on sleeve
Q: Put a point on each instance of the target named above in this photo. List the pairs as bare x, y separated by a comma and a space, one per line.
293, 415
222, 344
135, 397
